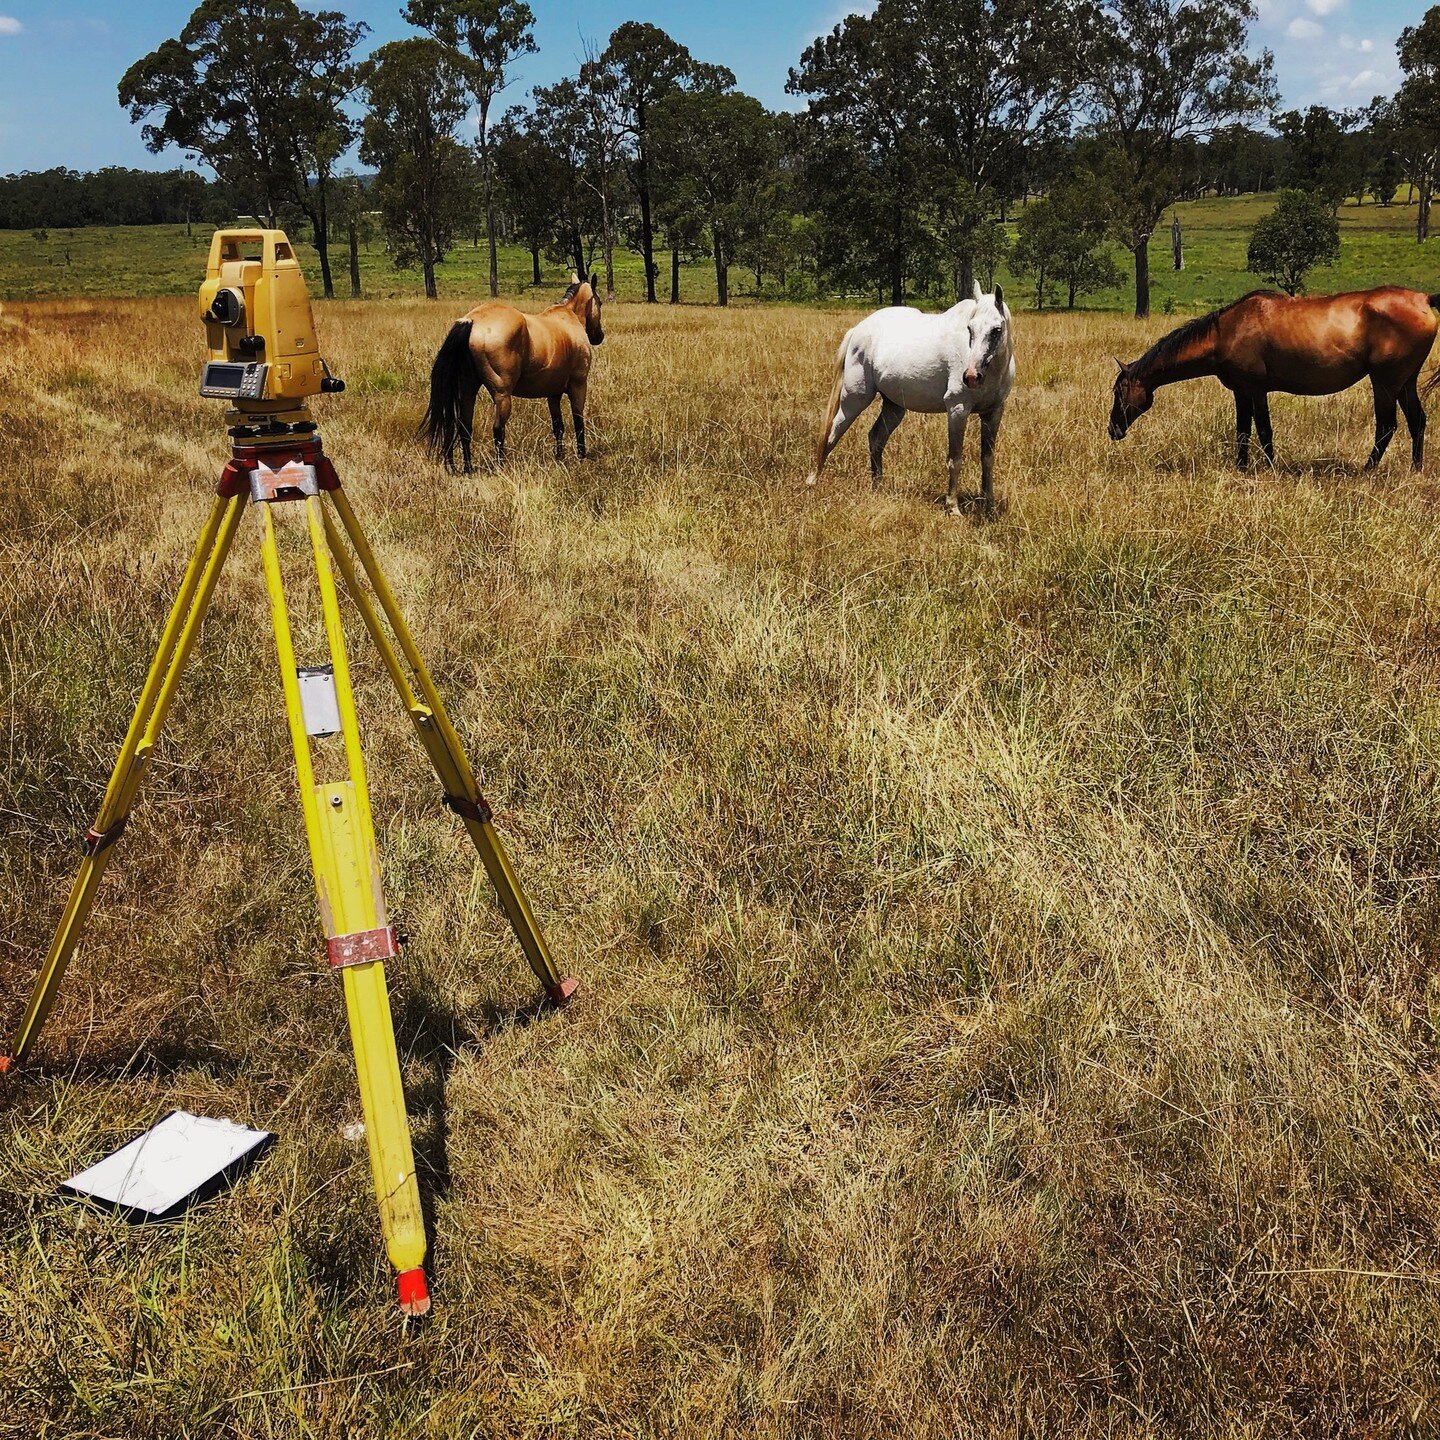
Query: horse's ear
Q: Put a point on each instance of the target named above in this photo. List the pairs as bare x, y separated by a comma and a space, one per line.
1120, 363
999, 298
595, 283
574, 278
977, 289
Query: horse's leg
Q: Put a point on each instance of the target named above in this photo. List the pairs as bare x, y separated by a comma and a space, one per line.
1244, 418
955, 426
1385, 422
854, 395
1260, 402
579, 389
557, 426
989, 434
886, 424
502, 419
1414, 422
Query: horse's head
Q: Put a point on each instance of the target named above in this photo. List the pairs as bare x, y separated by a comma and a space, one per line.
584, 297
1133, 397
989, 336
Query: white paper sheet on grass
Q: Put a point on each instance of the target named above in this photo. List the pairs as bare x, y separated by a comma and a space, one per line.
167, 1164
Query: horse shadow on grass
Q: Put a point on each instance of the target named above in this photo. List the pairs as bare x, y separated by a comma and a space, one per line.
975, 509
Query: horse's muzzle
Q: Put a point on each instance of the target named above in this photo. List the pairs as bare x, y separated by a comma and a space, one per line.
1117, 430
973, 378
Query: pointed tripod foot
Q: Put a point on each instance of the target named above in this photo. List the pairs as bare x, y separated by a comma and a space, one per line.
414, 1292
561, 992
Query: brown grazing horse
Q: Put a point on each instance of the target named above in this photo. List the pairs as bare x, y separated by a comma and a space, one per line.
510, 353
1299, 345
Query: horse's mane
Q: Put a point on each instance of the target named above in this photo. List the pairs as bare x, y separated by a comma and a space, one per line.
570, 292
1172, 346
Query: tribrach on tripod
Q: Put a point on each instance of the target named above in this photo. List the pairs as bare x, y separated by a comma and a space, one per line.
265, 360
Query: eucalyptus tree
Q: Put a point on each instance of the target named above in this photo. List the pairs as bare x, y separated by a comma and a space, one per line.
1417, 111
994, 78
648, 65
870, 169
417, 98
724, 148
254, 90
531, 176
1156, 75
485, 38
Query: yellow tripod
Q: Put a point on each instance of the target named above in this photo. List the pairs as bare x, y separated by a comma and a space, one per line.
318, 702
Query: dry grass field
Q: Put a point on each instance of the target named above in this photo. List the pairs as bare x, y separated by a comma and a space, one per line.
1007, 947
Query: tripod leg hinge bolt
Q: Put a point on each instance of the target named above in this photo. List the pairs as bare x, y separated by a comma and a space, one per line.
561, 991
362, 947
476, 809
414, 1292
97, 840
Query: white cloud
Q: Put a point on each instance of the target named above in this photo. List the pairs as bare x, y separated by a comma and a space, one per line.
9, 25
1301, 29
1365, 77
1324, 7
1366, 46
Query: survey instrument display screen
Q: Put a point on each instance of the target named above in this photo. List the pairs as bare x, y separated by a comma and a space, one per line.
221, 380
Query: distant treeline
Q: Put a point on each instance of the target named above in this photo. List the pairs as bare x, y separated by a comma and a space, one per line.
938, 139
62, 199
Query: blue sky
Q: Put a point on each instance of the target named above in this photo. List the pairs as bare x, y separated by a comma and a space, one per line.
60, 59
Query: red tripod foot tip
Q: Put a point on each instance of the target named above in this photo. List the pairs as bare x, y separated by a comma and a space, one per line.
560, 992
414, 1293
6, 1064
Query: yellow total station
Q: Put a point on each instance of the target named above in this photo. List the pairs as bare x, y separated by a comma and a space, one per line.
264, 360
259, 329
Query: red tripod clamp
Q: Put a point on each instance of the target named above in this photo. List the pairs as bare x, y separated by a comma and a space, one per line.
264, 471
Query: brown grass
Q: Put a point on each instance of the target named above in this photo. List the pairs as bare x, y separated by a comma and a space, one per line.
1007, 948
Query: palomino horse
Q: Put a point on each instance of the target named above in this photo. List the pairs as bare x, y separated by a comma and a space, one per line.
1302, 346
960, 363
544, 356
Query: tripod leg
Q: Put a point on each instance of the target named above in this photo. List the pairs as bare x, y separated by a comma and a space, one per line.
341, 838
177, 640
442, 745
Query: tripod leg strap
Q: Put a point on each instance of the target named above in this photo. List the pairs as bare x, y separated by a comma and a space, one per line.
97, 840
362, 947
477, 809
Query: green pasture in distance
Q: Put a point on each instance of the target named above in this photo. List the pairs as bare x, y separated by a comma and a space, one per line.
1377, 247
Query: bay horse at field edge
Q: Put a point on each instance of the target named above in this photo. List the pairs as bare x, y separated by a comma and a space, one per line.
510, 353
958, 363
1300, 345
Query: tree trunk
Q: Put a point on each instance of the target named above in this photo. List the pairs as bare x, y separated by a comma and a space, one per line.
1070, 303
607, 240
428, 265
489, 186
722, 275
1142, 278
535, 264
1422, 212
579, 254
967, 276
354, 261
1177, 244
675, 274
647, 227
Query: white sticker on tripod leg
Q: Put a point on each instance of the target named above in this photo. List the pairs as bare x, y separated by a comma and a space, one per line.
318, 702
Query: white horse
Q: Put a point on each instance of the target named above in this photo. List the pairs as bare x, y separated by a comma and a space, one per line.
961, 363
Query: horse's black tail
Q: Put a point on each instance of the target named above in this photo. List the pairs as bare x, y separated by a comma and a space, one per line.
443, 424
